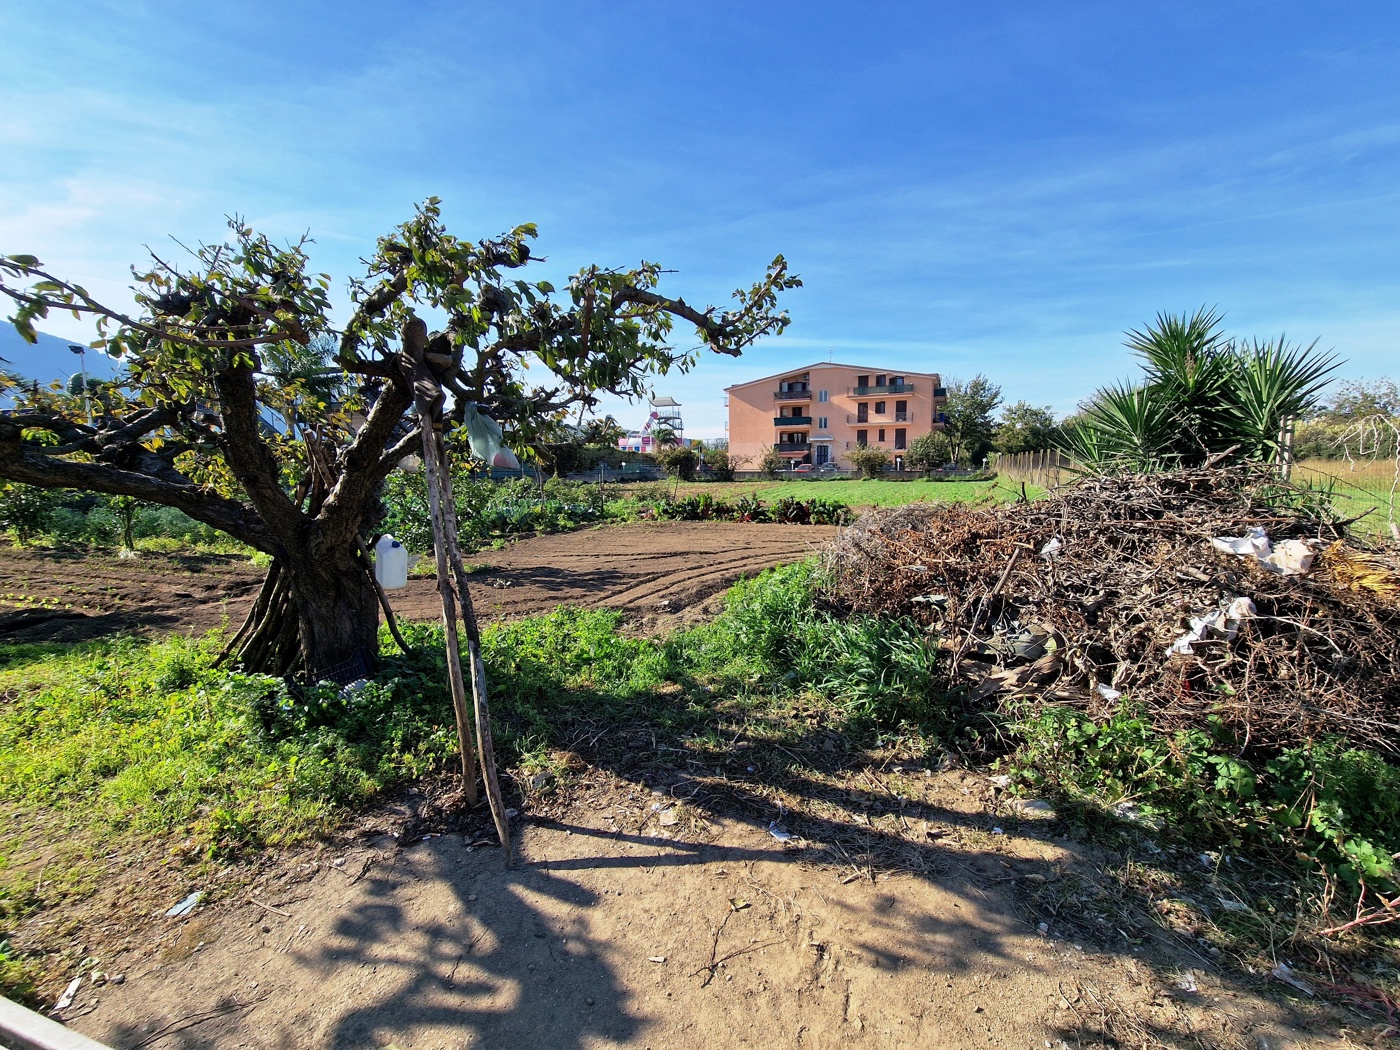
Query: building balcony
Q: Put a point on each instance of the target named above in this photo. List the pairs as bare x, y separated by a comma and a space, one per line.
875, 391
792, 446
792, 421
792, 395
884, 419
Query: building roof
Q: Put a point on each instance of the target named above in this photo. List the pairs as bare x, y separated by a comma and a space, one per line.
830, 364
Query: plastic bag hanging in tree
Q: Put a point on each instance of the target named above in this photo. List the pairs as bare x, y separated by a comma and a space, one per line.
487, 439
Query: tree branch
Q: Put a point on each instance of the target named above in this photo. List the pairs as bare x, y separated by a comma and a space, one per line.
343, 512
248, 456
28, 464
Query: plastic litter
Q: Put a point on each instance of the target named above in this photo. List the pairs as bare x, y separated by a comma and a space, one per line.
1283, 972
187, 905
1051, 548
66, 999
487, 439
390, 563
779, 832
1290, 558
1254, 543
1108, 692
1287, 558
1224, 621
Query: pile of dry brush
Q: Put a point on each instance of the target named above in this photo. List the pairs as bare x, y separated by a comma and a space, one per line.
1077, 598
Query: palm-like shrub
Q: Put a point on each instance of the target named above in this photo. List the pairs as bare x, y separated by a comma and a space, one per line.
1204, 397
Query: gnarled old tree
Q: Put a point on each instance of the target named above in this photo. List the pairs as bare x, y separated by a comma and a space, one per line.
214, 354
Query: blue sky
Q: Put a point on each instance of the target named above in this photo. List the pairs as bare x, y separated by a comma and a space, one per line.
964, 186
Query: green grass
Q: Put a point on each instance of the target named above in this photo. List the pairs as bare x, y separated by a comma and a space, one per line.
110, 746
131, 738
1357, 489
868, 492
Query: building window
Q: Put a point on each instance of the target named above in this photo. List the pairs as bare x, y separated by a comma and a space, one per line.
900, 435
863, 412
822, 396
879, 408
861, 435
879, 380
882, 435
862, 380
901, 411
821, 422
896, 380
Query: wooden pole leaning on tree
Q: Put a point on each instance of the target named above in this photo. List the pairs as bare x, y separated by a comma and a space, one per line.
430, 399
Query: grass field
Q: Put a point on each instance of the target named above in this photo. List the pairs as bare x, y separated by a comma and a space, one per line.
867, 493
1356, 488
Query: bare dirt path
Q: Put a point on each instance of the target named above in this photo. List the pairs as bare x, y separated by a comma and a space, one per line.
635, 920
61, 596
652, 570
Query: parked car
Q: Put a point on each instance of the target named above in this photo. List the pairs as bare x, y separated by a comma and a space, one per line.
803, 468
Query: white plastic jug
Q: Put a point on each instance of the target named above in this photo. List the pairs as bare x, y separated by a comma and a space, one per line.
390, 563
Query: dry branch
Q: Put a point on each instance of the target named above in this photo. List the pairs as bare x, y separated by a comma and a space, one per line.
1134, 565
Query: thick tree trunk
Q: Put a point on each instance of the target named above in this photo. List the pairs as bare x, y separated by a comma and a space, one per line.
313, 618
337, 616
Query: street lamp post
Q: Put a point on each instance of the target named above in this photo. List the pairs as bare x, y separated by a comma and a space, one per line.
81, 351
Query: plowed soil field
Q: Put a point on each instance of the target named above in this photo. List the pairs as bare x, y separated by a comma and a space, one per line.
657, 570
654, 571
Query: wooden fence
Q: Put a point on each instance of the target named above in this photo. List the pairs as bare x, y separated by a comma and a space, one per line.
1046, 469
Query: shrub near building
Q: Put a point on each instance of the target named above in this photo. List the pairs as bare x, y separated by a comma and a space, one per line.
870, 460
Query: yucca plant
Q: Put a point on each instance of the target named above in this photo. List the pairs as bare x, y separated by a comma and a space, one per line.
1204, 397
1128, 425
1274, 383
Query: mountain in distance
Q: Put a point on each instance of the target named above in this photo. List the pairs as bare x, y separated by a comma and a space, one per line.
49, 359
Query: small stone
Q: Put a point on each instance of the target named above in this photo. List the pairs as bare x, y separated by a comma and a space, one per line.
119, 978
588, 1002
530, 967
267, 929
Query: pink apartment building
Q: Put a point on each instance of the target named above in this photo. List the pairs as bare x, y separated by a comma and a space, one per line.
817, 414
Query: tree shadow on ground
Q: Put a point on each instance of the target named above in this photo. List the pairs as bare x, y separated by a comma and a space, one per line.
441, 937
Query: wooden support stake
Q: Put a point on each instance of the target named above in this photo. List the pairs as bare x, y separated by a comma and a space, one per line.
484, 742
432, 468
430, 399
